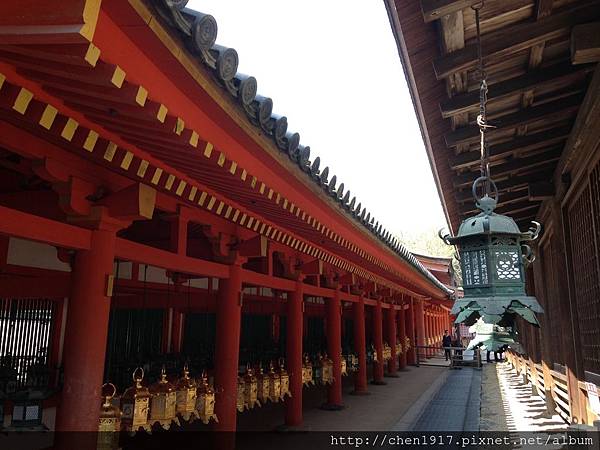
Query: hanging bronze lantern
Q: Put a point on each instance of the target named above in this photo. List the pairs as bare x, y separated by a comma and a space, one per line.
387, 352
493, 259
344, 366
327, 370
406, 344
110, 420
241, 396
398, 348
135, 404
205, 400
274, 384
318, 370
262, 386
186, 389
250, 389
307, 371
352, 362
163, 405
284, 378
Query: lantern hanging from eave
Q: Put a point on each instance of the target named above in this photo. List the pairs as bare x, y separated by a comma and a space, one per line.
318, 370
163, 405
284, 378
343, 366
187, 392
407, 344
493, 259
398, 348
352, 362
250, 389
110, 420
327, 370
135, 404
274, 384
240, 403
387, 352
262, 382
307, 371
205, 400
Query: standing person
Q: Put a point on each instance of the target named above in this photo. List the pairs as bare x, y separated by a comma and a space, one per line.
446, 343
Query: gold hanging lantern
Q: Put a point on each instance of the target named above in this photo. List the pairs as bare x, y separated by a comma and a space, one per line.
163, 406
274, 384
135, 404
387, 352
406, 343
307, 372
318, 370
398, 348
186, 396
262, 385
241, 397
205, 401
250, 388
284, 378
110, 420
327, 370
344, 366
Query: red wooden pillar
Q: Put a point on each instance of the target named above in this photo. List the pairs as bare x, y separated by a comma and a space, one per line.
392, 338
293, 404
360, 347
410, 332
85, 334
378, 340
334, 348
227, 347
402, 336
420, 324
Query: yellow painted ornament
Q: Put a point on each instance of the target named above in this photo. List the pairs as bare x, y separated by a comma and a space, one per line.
186, 396
284, 378
205, 400
135, 405
250, 389
110, 420
163, 406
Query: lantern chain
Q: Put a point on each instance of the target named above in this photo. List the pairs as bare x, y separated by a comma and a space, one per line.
483, 91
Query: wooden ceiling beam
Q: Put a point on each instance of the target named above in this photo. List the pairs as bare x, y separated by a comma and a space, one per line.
469, 101
543, 8
546, 138
515, 38
509, 183
585, 43
549, 112
435, 9
515, 165
541, 190
504, 199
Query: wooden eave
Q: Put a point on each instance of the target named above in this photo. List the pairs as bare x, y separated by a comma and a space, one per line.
535, 93
137, 112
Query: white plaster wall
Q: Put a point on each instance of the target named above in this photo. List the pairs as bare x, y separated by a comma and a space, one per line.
26, 253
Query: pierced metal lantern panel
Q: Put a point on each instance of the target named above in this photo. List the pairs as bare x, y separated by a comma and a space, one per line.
493, 257
274, 384
240, 403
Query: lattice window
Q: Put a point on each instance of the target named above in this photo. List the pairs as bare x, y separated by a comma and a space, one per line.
592, 333
507, 265
552, 300
585, 272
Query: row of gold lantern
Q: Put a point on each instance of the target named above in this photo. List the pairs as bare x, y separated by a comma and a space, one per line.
163, 403
256, 390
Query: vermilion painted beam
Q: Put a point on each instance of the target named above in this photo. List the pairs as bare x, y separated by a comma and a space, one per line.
27, 226
132, 251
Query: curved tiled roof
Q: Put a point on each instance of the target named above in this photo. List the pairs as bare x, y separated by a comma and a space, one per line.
199, 32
